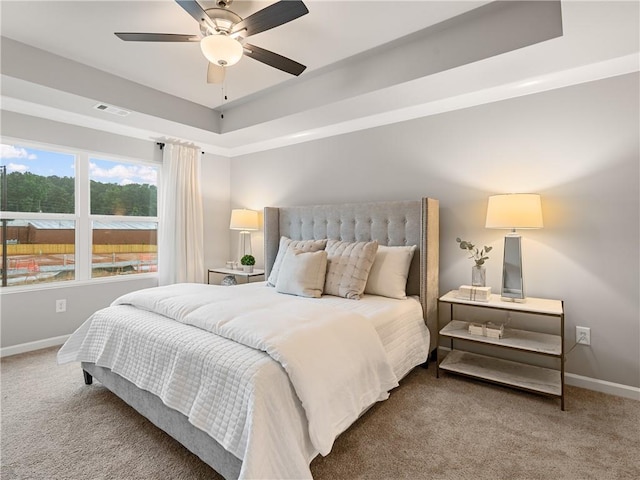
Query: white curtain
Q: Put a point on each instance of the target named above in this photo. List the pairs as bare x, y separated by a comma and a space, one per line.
180, 233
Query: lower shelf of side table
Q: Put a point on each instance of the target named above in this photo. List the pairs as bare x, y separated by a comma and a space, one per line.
504, 372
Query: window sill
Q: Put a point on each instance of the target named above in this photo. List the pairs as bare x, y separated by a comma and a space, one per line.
76, 283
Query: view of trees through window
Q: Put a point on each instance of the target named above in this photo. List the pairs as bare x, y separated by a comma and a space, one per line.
39, 218
123, 189
28, 192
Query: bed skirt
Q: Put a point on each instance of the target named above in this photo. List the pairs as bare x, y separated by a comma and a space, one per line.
170, 421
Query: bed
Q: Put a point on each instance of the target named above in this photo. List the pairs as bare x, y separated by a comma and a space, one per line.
250, 409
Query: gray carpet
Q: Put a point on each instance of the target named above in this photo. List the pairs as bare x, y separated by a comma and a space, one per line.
54, 427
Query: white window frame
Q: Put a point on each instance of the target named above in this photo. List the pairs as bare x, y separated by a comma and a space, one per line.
82, 217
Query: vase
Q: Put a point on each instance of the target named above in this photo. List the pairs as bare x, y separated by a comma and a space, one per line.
247, 268
478, 276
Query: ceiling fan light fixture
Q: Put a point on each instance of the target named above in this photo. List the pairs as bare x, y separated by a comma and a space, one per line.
221, 49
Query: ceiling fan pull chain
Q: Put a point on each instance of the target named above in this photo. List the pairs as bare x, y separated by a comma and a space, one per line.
223, 98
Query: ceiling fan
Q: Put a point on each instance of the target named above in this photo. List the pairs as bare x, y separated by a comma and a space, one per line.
223, 34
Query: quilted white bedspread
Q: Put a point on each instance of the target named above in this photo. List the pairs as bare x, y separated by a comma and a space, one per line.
334, 357
273, 415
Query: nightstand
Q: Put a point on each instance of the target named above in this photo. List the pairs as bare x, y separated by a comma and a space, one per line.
236, 273
538, 332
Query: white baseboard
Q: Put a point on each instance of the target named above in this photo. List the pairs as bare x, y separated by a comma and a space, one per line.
603, 386
31, 346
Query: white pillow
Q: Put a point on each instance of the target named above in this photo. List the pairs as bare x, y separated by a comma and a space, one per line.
388, 275
302, 273
285, 243
348, 266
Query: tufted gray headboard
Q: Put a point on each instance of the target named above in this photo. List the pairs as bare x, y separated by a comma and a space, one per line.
390, 223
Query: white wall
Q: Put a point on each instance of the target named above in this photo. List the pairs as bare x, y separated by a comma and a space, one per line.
29, 316
578, 147
216, 199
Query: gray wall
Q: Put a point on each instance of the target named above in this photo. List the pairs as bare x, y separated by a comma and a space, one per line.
578, 147
216, 205
29, 316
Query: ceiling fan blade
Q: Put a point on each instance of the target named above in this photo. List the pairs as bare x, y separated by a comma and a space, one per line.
194, 9
272, 16
215, 73
274, 60
156, 37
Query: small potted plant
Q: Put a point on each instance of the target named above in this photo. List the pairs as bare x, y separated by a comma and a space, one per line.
248, 261
478, 272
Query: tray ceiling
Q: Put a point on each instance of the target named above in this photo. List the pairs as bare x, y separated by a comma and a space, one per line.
369, 63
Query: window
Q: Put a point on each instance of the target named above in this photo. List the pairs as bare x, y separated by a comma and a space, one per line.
55, 204
119, 188
123, 196
121, 248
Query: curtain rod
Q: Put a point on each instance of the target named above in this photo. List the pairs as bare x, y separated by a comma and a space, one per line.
161, 146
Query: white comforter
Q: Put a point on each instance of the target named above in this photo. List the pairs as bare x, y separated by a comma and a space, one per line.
334, 358
335, 363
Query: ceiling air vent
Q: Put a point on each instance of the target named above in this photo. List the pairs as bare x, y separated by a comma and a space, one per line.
111, 109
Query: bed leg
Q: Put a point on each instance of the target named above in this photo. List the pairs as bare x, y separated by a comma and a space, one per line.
434, 355
430, 358
88, 379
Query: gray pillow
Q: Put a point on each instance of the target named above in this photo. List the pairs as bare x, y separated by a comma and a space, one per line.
285, 243
348, 267
302, 273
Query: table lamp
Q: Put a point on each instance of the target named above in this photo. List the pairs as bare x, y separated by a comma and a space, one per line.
245, 221
513, 211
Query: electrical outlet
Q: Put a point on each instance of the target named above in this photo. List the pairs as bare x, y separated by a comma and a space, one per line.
583, 335
61, 306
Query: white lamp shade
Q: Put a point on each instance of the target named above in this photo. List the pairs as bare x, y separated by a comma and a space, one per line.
243, 219
515, 210
221, 50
